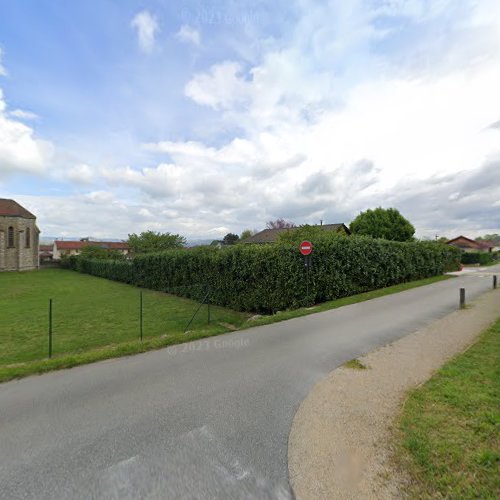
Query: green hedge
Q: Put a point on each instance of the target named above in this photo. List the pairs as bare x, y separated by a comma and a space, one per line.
481, 258
267, 278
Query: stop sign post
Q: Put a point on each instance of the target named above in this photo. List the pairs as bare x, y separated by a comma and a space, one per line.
306, 249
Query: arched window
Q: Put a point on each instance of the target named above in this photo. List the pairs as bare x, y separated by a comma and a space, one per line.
10, 237
28, 237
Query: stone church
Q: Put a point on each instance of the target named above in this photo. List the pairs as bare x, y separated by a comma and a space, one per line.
18, 237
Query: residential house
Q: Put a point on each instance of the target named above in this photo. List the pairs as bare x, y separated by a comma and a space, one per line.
469, 245
45, 253
67, 248
271, 235
19, 236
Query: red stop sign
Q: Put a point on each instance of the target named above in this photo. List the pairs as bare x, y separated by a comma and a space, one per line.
306, 248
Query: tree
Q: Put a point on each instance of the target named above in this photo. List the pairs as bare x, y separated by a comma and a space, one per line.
383, 223
101, 253
279, 224
150, 241
246, 234
230, 239
493, 238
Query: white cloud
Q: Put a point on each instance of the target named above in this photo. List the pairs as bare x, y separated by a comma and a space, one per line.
318, 142
147, 28
221, 88
81, 174
100, 197
327, 123
188, 34
20, 151
24, 115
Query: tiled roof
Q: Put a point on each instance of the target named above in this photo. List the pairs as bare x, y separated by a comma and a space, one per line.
11, 208
77, 245
467, 242
271, 235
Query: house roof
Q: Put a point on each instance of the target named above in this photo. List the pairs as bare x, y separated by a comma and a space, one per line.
271, 235
484, 245
11, 208
77, 245
46, 248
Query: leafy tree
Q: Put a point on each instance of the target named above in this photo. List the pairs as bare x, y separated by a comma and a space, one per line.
493, 238
101, 253
150, 241
230, 239
246, 234
383, 223
279, 224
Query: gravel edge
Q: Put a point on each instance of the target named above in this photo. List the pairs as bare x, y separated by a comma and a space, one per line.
339, 443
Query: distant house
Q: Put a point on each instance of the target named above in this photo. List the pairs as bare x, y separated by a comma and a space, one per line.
271, 235
45, 253
18, 237
67, 248
468, 245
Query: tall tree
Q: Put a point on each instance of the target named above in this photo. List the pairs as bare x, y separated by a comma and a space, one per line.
383, 223
279, 224
230, 239
150, 241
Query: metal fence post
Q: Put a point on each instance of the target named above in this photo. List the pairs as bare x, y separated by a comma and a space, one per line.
140, 313
494, 281
462, 298
50, 328
208, 304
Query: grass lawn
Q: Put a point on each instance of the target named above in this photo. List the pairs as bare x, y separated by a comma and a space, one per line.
95, 319
88, 313
450, 427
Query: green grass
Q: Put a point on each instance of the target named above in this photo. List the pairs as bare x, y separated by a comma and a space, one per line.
450, 427
90, 313
97, 319
345, 301
355, 364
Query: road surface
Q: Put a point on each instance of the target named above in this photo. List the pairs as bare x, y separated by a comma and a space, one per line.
208, 419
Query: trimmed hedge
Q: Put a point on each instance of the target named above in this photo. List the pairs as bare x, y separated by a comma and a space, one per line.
267, 278
481, 258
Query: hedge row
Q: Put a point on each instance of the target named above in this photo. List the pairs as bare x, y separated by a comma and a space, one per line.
481, 258
267, 278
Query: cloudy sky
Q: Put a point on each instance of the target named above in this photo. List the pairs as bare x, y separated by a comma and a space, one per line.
203, 117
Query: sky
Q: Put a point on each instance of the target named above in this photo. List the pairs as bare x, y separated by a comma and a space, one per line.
207, 117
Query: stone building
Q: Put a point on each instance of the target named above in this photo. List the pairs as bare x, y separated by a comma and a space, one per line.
19, 237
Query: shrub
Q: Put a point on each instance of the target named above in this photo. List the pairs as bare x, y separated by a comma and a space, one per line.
481, 258
266, 278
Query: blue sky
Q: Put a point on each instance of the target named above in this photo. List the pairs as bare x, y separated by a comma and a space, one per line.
208, 117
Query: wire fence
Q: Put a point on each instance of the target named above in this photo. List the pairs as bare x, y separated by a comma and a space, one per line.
70, 322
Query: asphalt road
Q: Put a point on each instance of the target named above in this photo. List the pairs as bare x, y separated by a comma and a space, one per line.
208, 419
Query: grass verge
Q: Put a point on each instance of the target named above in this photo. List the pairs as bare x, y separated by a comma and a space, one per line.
345, 301
449, 429
97, 319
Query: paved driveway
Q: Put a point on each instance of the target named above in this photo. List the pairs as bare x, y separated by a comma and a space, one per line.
208, 419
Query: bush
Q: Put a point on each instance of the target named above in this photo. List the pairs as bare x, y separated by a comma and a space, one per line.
481, 258
266, 278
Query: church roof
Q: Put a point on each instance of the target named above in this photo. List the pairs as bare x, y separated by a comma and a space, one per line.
11, 208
